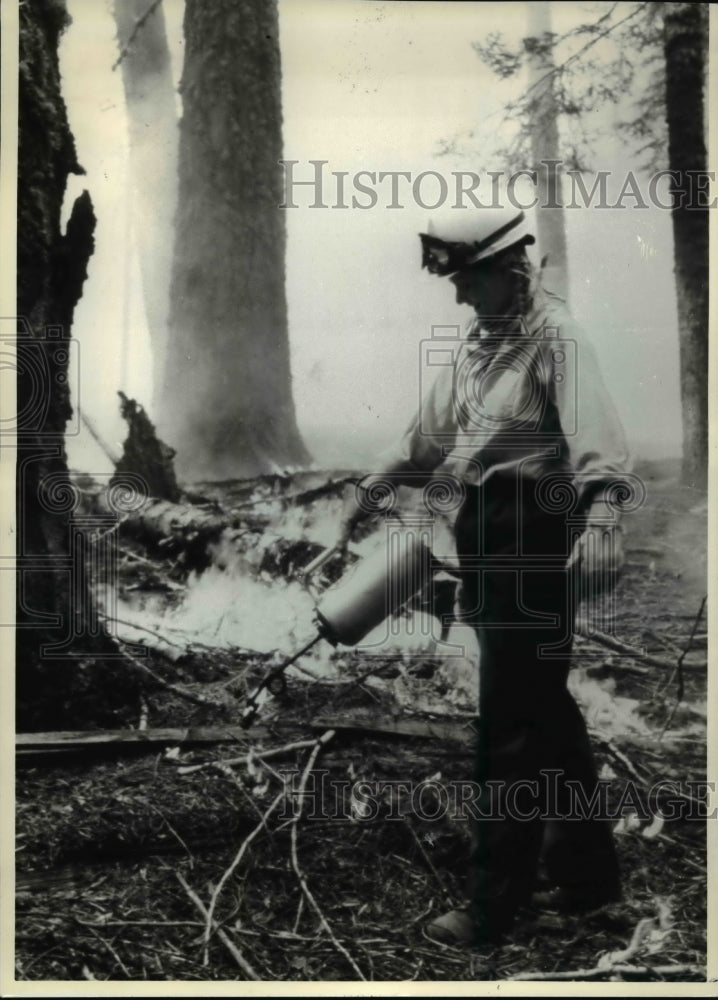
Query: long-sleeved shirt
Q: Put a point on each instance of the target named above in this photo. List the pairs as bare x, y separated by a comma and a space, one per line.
530, 401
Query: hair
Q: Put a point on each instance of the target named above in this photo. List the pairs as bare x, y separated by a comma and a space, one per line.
516, 261
525, 276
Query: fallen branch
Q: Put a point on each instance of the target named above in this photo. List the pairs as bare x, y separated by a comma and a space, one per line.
460, 734
159, 643
601, 639
641, 931
298, 917
111, 950
679, 670
229, 945
665, 640
230, 871
163, 521
237, 761
229, 774
619, 755
108, 922
197, 699
430, 864
295, 859
615, 970
152, 738
135, 557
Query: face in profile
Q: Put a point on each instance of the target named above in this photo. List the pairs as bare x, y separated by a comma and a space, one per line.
485, 286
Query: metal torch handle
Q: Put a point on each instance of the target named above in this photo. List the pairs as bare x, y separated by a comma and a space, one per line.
319, 561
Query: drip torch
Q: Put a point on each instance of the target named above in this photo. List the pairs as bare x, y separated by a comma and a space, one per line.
347, 613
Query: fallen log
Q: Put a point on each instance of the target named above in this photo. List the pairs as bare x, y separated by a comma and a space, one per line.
34, 748
456, 731
150, 739
155, 520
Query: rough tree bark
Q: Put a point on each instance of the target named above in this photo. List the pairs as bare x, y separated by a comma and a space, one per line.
227, 403
153, 131
685, 41
51, 269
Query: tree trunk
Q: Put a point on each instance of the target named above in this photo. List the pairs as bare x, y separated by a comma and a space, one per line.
545, 148
53, 602
154, 135
227, 402
685, 40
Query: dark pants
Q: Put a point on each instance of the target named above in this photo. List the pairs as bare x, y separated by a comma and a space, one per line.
516, 592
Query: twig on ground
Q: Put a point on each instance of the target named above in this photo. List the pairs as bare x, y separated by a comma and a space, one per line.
232, 868
665, 640
239, 784
641, 931
139, 923
614, 963
359, 681
295, 859
174, 833
129, 554
620, 756
620, 970
297, 919
429, 862
237, 678
111, 950
198, 699
234, 761
140, 628
601, 639
424, 913
679, 669
229, 945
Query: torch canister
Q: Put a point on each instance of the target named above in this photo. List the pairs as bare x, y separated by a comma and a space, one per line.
379, 585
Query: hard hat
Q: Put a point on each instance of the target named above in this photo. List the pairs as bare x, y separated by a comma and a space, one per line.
460, 237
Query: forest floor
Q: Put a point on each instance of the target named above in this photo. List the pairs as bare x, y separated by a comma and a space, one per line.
122, 847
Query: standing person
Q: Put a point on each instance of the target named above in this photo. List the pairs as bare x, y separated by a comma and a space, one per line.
525, 421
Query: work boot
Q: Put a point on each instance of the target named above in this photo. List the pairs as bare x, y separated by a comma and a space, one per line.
463, 929
456, 928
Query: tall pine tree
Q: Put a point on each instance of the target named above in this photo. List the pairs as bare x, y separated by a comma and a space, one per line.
226, 403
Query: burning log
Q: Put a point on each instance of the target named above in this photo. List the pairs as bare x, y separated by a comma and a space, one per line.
174, 525
166, 529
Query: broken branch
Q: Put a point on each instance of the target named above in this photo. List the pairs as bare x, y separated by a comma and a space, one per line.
679, 670
295, 859
234, 761
224, 938
601, 639
232, 868
596, 973
197, 699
